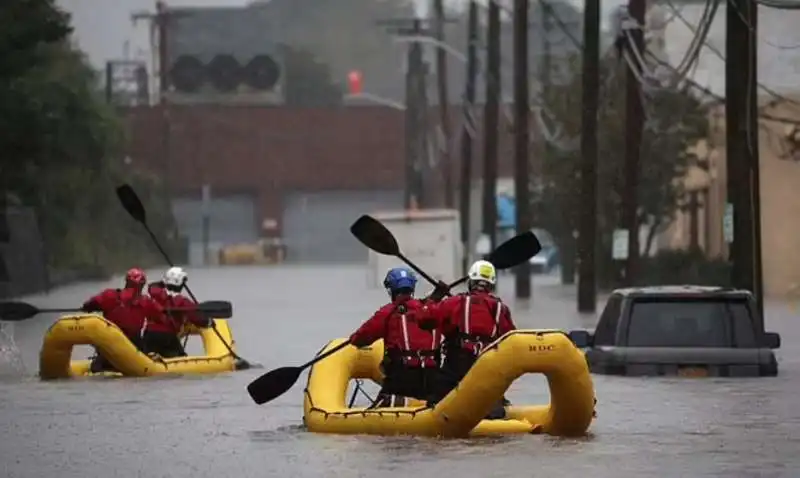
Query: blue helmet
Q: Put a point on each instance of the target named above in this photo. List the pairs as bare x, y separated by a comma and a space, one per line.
399, 278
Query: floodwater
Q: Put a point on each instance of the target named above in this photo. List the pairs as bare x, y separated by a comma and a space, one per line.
209, 427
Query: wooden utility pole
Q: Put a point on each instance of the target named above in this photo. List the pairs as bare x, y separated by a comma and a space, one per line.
634, 122
469, 129
416, 111
522, 279
414, 70
446, 165
491, 115
587, 287
742, 157
5, 238
161, 22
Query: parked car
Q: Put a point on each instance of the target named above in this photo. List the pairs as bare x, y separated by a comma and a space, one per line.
549, 257
680, 330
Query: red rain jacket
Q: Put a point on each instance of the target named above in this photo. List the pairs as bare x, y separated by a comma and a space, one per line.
172, 322
128, 309
475, 319
396, 324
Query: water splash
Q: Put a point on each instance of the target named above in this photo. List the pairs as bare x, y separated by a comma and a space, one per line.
11, 364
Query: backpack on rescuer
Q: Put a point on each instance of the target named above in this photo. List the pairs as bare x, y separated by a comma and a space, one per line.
418, 348
472, 336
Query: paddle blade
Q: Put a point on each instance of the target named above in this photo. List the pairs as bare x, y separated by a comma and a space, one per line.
515, 251
374, 235
273, 384
131, 202
16, 311
218, 309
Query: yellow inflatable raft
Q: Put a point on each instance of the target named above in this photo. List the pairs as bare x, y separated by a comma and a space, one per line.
55, 358
460, 414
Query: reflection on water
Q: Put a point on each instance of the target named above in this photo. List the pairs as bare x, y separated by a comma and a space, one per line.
207, 426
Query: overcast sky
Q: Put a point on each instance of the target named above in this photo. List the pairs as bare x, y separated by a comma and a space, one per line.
103, 29
104, 26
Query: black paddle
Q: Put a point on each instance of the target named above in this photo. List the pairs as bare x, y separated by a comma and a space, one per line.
131, 202
17, 311
512, 252
276, 382
372, 233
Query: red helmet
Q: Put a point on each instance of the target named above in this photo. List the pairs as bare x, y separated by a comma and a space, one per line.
135, 277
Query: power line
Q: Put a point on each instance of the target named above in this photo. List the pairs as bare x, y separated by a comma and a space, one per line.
721, 56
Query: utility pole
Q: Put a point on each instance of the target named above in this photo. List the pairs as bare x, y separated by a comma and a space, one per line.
634, 120
467, 133
567, 242
491, 115
161, 22
742, 156
413, 196
420, 111
416, 110
444, 104
522, 279
5, 238
587, 287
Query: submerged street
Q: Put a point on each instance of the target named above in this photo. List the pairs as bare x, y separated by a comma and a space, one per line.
209, 427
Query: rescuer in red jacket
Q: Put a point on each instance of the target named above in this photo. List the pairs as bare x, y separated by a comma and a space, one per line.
469, 323
126, 308
411, 355
161, 336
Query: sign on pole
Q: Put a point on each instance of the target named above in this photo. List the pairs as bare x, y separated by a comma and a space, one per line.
727, 223
619, 248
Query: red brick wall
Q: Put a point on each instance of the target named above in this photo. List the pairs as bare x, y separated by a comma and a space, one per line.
269, 150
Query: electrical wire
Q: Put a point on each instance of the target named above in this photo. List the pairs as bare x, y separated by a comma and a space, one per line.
779, 4
721, 100
721, 56
789, 5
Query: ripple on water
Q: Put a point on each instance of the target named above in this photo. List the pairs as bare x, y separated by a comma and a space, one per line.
197, 427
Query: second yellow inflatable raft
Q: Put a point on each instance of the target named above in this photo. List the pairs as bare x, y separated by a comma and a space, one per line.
460, 414
55, 358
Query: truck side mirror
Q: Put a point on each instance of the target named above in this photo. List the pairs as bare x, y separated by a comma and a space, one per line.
772, 340
581, 338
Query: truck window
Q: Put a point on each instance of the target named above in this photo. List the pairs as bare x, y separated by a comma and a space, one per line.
744, 335
689, 322
606, 330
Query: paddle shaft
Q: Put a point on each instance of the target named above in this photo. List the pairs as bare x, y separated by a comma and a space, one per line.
166, 257
325, 355
416, 269
188, 290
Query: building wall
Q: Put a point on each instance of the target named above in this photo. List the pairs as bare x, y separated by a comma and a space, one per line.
273, 151
780, 200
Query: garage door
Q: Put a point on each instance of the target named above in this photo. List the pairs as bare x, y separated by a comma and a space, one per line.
232, 220
316, 225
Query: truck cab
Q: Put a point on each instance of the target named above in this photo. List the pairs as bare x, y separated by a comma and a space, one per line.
680, 330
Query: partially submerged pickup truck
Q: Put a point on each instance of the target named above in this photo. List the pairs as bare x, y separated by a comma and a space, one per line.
680, 330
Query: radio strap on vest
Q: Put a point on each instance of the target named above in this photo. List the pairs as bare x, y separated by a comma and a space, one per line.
475, 340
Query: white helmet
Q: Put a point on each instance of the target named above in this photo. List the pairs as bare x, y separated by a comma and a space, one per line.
175, 277
483, 271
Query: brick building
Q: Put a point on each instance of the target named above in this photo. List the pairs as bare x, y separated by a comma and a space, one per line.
314, 170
